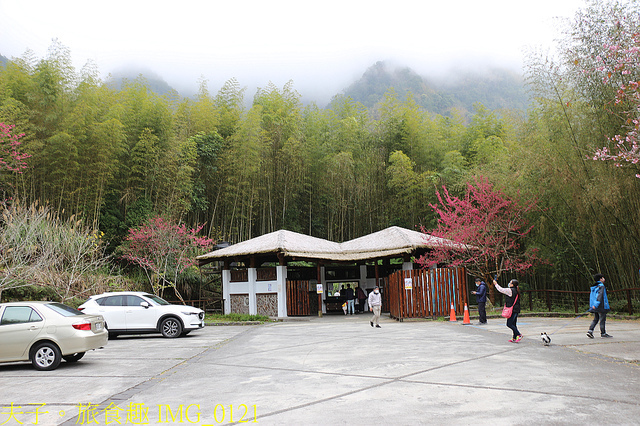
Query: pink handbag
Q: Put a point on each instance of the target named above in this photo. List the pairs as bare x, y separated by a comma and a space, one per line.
506, 312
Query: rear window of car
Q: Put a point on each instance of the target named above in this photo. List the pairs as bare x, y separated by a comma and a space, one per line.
64, 310
19, 315
158, 300
110, 301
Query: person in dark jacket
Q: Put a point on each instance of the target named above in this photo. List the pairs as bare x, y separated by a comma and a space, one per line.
599, 305
513, 299
350, 299
481, 298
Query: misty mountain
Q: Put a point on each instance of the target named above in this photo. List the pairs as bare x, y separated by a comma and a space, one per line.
3, 60
156, 84
494, 88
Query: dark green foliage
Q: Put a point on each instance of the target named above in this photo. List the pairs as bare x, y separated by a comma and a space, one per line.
115, 220
31, 292
235, 318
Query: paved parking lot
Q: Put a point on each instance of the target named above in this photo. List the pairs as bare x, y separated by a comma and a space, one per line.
339, 370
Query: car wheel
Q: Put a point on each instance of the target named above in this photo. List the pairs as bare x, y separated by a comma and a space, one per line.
46, 356
73, 358
171, 327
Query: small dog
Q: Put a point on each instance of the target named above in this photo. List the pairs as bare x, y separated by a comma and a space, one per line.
546, 340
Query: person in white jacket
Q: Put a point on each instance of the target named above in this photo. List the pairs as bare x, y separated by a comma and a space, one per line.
512, 300
375, 306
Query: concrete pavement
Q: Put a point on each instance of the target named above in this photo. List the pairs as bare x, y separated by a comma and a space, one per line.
338, 370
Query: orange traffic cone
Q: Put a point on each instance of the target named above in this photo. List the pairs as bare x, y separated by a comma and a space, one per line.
452, 316
466, 319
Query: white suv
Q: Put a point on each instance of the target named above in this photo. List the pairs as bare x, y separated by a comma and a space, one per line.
137, 312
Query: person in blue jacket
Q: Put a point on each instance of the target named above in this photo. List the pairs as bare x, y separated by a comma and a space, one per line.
481, 298
599, 305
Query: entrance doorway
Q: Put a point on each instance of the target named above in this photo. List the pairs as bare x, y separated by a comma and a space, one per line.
335, 297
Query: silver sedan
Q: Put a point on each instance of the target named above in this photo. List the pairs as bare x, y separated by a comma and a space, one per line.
45, 333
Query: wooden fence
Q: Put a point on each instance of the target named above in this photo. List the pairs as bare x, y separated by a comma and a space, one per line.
620, 300
423, 293
298, 302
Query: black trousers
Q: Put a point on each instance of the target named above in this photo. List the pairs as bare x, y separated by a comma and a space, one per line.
599, 316
511, 323
482, 312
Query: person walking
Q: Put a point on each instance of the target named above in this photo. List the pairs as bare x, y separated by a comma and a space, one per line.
599, 305
512, 300
375, 306
481, 298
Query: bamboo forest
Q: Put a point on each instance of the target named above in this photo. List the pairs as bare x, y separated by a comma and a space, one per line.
85, 155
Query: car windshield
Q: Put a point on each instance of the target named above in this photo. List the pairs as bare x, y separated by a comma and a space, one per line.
158, 300
64, 310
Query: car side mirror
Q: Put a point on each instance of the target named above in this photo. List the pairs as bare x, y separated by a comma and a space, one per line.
144, 305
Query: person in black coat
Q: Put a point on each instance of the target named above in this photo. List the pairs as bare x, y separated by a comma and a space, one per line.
481, 298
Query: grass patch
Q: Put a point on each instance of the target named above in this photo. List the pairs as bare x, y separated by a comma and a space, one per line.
235, 318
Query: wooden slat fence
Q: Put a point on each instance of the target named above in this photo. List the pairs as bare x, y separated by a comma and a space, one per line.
239, 275
266, 274
431, 294
298, 298
621, 300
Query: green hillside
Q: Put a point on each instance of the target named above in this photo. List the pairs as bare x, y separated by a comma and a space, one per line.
495, 89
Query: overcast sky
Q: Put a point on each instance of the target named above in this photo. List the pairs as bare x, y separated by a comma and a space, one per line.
322, 46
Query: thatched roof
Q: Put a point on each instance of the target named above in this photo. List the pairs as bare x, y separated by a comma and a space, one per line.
390, 242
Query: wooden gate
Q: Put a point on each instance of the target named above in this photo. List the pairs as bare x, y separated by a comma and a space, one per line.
298, 298
422, 293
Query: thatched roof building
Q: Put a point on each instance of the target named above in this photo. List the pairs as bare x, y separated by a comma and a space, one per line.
390, 242
281, 290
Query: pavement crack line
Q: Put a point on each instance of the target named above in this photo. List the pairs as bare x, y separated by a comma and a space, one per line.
121, 397
366, 388
363, 376
404, 379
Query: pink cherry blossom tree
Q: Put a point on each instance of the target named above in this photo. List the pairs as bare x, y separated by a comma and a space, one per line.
164, 251
619, 65
10, 158
488, 228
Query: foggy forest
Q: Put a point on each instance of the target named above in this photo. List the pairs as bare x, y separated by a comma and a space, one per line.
105, 160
